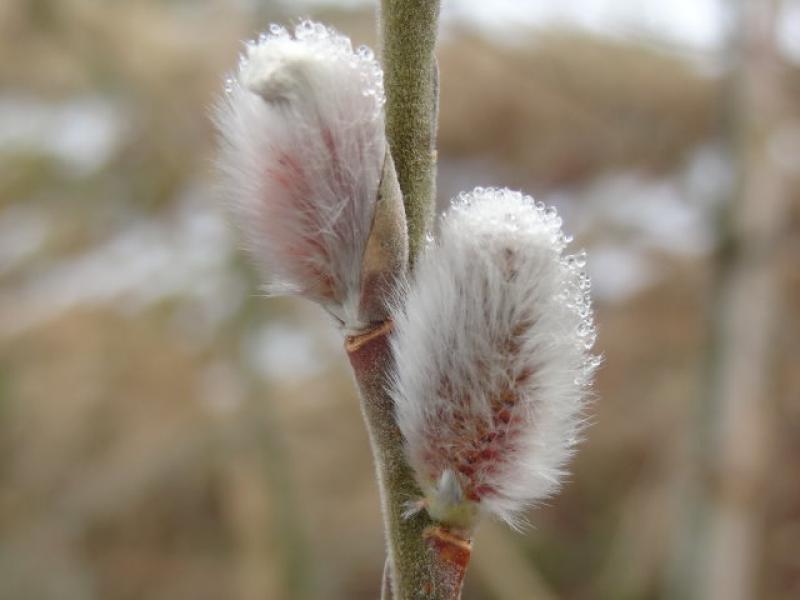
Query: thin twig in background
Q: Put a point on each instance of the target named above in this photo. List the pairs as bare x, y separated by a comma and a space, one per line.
717, 558
749, 308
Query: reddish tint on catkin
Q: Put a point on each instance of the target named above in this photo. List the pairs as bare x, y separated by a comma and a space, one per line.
302, 152
492, 344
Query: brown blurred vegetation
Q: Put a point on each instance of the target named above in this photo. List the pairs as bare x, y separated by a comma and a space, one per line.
150, 448
556, 107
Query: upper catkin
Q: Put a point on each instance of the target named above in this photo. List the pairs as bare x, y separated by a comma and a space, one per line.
302, 150
493, 366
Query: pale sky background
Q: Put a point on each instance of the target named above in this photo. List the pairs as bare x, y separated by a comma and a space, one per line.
695, 24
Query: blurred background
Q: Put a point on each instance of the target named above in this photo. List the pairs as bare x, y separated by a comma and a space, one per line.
168, 433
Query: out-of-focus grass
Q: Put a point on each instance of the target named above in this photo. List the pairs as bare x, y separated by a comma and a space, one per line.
561, 107
182, 445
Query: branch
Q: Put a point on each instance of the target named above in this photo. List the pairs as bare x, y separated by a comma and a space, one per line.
427, 562
408, 29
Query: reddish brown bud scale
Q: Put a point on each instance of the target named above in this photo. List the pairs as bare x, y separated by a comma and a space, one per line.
359, 344
452, 553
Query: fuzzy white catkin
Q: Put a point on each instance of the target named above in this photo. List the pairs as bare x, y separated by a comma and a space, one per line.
302, 149
493, 365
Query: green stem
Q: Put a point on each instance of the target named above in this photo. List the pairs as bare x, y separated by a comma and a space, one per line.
408, 31
425, 562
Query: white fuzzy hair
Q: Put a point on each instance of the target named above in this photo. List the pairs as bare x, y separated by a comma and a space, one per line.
493, 368
302, 149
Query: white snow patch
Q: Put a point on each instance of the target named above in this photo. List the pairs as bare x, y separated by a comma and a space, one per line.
83, 133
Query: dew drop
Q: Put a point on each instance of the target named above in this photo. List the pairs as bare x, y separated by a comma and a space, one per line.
365, 53
304, 30
580, 259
